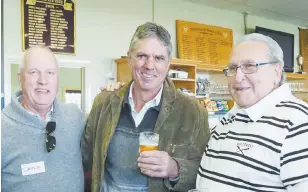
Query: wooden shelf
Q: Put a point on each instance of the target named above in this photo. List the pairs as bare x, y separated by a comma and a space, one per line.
209, 70
217, 112
184, 62
300, 92
200, 96
203, 67
122, 60
296, 76
179, 79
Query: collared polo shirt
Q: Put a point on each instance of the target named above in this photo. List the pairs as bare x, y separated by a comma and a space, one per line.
48, 115
261, 148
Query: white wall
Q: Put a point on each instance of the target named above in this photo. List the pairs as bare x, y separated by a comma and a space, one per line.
166, 12
104, 29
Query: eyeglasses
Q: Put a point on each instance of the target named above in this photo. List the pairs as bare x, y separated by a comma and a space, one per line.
50, 140
247, 68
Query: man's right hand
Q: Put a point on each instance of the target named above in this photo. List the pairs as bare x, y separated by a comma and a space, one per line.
112, 87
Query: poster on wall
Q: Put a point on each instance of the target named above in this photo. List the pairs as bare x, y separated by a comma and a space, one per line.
303, 38
50, 23
210, 44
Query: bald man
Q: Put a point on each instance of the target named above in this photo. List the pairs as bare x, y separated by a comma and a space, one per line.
40, 137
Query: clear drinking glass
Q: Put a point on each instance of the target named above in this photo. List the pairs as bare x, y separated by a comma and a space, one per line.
148, 141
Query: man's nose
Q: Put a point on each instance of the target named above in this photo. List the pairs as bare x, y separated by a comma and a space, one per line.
42, 79
150, 62
239, 75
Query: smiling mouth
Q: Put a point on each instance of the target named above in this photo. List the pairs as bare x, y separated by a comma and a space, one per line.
42, 90
147, 76
241, 88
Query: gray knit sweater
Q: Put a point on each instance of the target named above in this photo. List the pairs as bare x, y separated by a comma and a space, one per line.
23, 142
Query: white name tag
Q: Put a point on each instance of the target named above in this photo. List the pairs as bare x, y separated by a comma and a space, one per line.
33, 168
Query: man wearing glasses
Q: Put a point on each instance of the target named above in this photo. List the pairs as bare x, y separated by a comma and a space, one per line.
40, 148
261, 144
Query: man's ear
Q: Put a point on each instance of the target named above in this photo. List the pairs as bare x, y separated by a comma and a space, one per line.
129, 59
278, 71
19, 76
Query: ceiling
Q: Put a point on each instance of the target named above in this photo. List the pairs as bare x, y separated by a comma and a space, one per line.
290, 11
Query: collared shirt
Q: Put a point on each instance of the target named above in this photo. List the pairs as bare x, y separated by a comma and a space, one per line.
260, 148
138, 116
48, 115
121, 171
255, 112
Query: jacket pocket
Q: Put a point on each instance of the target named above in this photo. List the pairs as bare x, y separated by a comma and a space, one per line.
178, 150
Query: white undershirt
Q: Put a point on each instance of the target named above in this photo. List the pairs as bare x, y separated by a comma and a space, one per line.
138, 116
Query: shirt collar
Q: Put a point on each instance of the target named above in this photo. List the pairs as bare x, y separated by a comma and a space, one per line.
256, 111
48, 115
155, 101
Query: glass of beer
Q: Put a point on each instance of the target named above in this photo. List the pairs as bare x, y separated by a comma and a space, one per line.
148, 141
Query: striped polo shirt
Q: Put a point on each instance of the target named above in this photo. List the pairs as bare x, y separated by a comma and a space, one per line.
261, 148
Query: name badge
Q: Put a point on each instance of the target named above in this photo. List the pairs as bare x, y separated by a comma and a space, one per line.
33, 168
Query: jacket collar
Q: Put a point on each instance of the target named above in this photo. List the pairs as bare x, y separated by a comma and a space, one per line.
166, 104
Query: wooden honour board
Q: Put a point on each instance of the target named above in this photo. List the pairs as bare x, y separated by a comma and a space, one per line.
303, 38
210, 44
50, 23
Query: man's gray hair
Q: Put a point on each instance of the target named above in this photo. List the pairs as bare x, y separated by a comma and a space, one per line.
149, 30
275, 51
22, 64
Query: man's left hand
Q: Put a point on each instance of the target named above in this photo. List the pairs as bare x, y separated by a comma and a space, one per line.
158, 164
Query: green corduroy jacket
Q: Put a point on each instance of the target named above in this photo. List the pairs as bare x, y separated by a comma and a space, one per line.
182, 125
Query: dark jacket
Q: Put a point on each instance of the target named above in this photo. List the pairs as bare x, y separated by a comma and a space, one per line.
182, 125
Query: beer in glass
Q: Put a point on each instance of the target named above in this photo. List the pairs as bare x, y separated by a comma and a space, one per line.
148, 141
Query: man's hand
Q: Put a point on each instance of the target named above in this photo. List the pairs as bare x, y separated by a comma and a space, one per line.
158, 164
112, 87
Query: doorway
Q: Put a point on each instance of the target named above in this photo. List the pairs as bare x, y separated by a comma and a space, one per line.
71, 85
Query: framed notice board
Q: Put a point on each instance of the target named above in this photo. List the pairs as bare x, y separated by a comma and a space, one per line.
303, 38
51, 23
207, 43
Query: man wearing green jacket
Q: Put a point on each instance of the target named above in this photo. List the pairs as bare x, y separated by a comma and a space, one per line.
150, 102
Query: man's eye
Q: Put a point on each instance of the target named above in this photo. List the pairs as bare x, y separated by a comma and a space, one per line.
232, 68
141, 56
51, 73
33, 72
249, 65
159, 58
